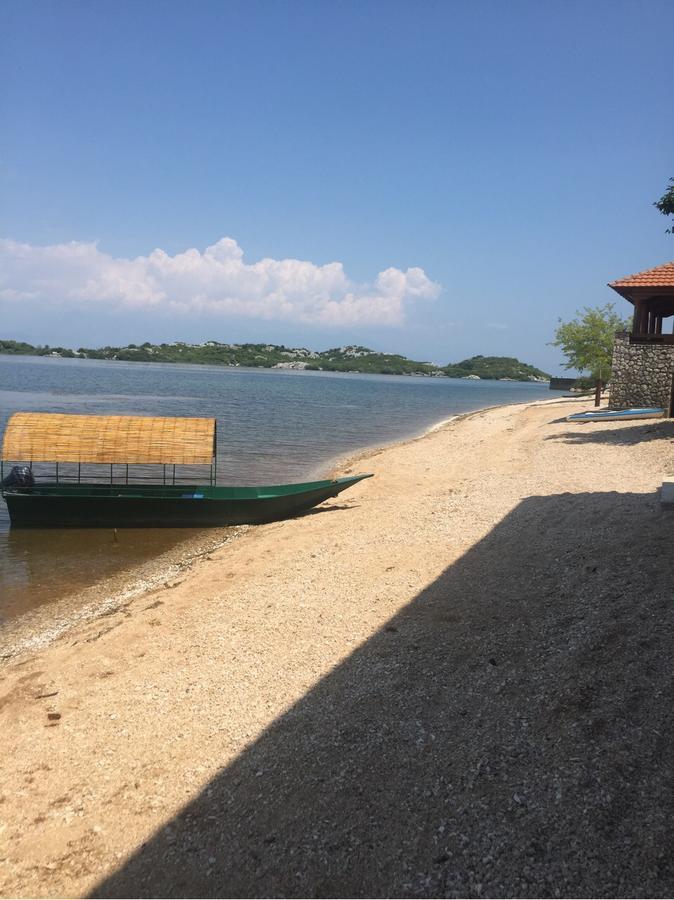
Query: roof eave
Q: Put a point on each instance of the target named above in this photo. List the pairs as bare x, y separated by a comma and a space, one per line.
636, 292
621, 289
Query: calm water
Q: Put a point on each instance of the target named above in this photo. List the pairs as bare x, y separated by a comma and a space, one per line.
273, 426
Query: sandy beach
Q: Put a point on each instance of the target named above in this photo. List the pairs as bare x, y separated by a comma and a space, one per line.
453, 680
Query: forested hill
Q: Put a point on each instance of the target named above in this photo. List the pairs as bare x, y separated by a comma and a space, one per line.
273, 356
501, 367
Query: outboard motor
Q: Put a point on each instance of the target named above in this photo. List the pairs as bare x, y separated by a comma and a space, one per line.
19, 476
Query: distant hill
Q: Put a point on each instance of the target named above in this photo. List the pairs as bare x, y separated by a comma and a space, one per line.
498, 367
351, 358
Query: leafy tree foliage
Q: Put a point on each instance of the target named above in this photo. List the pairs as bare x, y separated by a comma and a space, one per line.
666, 203
587, 340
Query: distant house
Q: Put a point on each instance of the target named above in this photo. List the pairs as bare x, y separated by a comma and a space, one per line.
643, 358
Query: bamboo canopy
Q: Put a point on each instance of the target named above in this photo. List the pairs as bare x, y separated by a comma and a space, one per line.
54, 437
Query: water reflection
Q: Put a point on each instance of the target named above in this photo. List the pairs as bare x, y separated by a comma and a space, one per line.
41, 565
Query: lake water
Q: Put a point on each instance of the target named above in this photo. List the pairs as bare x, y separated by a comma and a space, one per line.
273, 426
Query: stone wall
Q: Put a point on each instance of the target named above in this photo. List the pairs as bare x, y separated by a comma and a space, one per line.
642, 373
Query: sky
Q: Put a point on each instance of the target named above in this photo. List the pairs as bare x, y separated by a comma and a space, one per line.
438, 179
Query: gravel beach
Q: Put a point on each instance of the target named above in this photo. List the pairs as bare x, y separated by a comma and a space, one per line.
453, 680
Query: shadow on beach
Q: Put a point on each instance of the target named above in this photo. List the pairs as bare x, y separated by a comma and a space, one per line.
587, 433
507, 734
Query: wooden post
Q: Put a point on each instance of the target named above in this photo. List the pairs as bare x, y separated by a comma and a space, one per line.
597, 393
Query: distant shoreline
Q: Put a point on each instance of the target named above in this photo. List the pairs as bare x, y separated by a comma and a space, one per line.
350, 359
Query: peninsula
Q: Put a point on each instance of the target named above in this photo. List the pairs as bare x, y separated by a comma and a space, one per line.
351, 358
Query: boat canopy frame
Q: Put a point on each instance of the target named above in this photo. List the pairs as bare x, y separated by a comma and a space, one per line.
140, 445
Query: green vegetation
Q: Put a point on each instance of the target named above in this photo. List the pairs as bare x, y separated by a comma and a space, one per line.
666, 204
587, 342
337, 359
500, 367
362, 359
20, 348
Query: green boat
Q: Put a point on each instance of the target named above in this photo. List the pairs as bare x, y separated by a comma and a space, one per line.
126, 444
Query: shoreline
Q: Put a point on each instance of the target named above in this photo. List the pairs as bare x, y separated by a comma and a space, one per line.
340, 464
472, 645
287, 368
28, 632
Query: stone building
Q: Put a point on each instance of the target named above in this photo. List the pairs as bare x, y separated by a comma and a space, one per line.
643, 358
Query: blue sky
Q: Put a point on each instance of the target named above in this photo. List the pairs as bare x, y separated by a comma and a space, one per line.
496, 161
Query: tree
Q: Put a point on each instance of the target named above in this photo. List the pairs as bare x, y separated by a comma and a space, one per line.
666, 203
587, 342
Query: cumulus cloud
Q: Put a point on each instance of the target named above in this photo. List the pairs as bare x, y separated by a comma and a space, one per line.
215, 281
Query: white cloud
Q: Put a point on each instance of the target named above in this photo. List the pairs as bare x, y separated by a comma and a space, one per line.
217, 281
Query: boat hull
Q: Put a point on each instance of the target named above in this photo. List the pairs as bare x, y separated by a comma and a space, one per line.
206, 507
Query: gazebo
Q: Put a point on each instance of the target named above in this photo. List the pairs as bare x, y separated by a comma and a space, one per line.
643, 358
652, 294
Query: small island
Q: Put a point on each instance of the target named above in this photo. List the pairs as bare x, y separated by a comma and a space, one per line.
351, 358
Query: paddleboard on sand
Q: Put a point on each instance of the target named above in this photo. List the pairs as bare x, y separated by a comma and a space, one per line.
614, 415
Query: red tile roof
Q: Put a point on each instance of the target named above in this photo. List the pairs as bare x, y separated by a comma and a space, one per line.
660, 276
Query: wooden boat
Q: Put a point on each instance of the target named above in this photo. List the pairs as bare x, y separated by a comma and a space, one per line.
128, 442
617, 415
